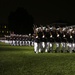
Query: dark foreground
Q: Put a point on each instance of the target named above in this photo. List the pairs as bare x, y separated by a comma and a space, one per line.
15, 60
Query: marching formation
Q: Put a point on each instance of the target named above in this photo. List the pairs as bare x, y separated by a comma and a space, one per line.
46, 39
50, 39
19, 40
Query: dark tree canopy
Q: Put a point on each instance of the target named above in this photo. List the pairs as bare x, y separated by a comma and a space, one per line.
20, 21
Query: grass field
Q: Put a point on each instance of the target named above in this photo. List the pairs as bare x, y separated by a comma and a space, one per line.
21, 60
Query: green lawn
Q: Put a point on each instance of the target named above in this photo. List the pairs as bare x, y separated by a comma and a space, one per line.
15, 60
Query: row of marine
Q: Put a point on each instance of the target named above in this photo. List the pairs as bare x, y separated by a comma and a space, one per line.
46, 38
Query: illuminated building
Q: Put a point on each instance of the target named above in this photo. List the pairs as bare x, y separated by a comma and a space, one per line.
4, 30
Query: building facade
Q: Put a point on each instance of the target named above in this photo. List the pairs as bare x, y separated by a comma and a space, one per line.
4, 30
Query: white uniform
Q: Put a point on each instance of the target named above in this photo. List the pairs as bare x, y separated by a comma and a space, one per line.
36, 45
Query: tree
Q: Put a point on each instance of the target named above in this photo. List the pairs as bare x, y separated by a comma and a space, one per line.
20, 21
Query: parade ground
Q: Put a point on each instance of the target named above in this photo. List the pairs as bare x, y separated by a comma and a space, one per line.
21, 60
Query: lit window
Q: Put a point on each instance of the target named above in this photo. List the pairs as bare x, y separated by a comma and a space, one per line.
2, 31
7, 31
4, 26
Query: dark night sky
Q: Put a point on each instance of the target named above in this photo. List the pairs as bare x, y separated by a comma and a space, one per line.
43, 12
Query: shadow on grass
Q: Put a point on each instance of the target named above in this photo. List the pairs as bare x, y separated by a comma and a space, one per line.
8, 47
15, 48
